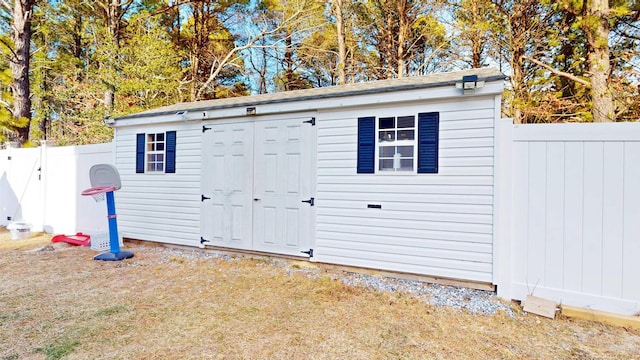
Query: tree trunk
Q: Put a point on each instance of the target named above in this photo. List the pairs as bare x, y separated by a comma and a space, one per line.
108, 99
402, 36
288, 63
114, 14
342, 51
599, 67
389, 45
518, 40
520, 17
262, 82
517, 84
476, 40
19, 63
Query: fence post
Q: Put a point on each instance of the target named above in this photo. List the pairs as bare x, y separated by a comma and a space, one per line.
502, 218
42, 174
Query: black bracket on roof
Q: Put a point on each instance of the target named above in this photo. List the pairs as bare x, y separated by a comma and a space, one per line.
204, 128
312, 121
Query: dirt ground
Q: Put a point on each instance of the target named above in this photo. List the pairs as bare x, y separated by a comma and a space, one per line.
175, 304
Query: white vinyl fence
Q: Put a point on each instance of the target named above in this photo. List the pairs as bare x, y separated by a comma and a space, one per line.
576, 214
42, 186
567, 207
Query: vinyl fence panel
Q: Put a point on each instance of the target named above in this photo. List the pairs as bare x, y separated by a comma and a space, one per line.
576, 214
42, 186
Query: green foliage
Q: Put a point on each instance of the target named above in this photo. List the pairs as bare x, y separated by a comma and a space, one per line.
7, 126
88, 63
318, 57
477, 24
59, 350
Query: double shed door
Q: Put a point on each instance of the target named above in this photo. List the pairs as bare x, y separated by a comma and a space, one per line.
256, 179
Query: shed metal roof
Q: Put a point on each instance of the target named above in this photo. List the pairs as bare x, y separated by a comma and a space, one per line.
372, 87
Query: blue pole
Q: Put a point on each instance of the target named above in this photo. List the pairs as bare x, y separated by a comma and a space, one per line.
114, 242
115, 254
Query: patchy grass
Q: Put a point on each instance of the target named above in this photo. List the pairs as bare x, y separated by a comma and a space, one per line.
36, 240
58, 350
171, 304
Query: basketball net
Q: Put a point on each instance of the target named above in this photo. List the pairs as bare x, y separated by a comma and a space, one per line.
98, 197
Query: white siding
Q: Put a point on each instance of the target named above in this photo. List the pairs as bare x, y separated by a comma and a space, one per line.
576, 214
157, 206
432, 224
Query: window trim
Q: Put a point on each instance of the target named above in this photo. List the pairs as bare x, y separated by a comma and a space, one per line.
426, 148
413, 143
169, 164
155, 166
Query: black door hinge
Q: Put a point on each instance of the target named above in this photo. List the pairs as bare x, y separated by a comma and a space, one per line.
310, 252
202, 240
204, 128
312, 121
310, 201
203, 198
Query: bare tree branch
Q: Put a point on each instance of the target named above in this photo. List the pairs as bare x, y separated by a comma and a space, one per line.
559, 72
6, 105
4, 42
216, 68
5, 4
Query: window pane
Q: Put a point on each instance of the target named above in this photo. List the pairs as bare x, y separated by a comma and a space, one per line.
386, 164
387, 123
151, 137
160, 147
160, 137
405, 134
405, 151
406, 122
406, 164
387, 136
386, 151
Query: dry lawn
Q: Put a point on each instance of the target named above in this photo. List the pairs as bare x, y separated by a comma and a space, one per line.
173, 304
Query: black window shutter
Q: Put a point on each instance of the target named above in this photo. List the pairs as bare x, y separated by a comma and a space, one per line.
366, 145
428, 126
171, 152
140, 144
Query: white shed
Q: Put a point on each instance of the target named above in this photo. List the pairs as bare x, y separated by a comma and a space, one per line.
395, 175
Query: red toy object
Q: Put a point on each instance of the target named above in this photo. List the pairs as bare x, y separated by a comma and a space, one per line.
77, 239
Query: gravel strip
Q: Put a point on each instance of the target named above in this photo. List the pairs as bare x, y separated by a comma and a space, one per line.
471, 300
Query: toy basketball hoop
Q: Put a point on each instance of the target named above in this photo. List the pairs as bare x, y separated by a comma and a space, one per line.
104, 175
105, 179
98, 192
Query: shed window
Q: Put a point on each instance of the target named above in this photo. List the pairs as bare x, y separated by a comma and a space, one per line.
156, 152
398, 144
